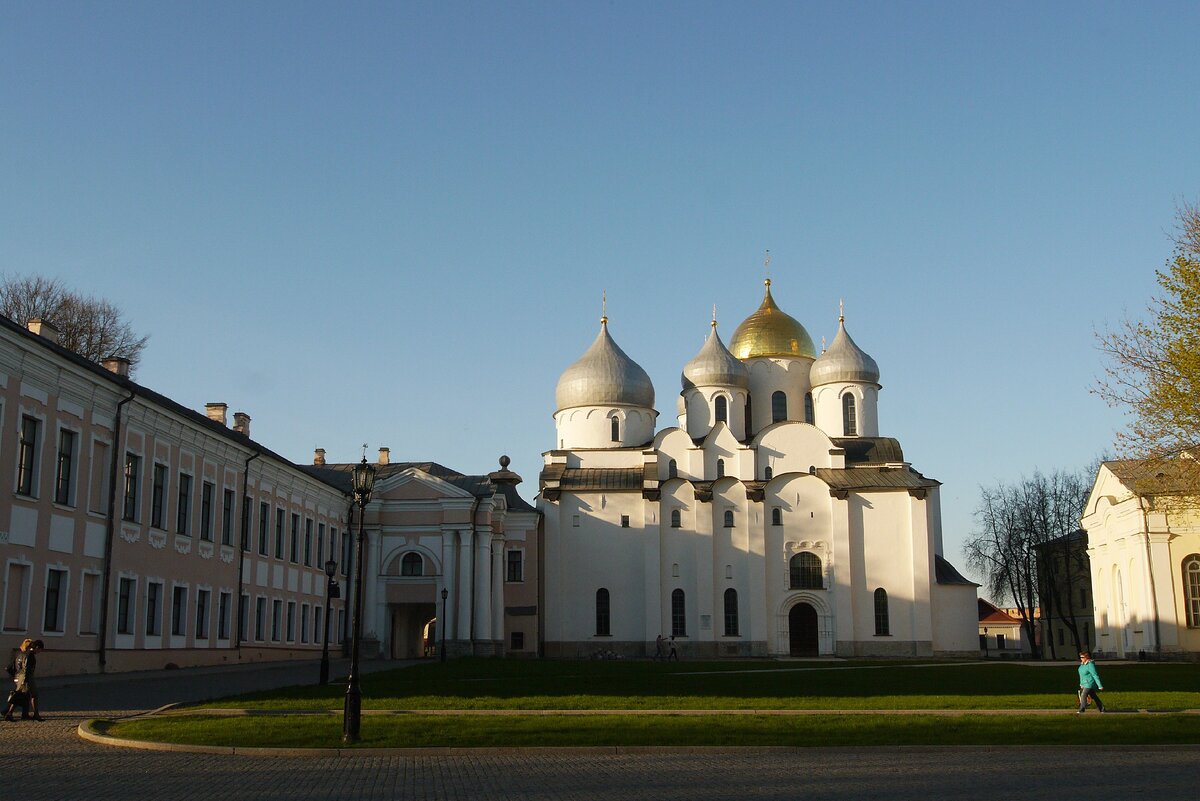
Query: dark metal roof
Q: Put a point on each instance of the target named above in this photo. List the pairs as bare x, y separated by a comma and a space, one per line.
870, 450
870, 478
602, 478
946, 573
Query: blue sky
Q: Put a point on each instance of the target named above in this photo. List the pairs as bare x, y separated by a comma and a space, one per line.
392, 223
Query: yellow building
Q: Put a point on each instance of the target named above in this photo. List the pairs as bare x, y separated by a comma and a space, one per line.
1144, 550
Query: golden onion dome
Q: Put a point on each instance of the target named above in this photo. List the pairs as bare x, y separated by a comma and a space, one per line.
771, 332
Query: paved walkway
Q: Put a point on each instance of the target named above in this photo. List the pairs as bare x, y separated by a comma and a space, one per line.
48, 761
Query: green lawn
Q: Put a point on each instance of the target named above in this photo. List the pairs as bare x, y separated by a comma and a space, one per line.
553, 684
484, 684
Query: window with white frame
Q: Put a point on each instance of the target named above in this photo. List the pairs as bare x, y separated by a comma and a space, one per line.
133, 470
126, 593
260, 615
227, 517
318, 634
678, 614
1191, 585
291, 621
55, 607
806, 572
206, 510
849, 416
731, 612
27, 455
179, 612
294, 550
154, 608
303, 623
308, 543
202, 609
224, 615
515, 565
276, 620
158, 497
64, 472
676, 518
183, 517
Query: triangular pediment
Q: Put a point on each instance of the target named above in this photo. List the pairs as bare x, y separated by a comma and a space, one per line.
415, 484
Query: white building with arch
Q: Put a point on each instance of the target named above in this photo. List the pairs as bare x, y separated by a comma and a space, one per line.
772, 520
1143, 546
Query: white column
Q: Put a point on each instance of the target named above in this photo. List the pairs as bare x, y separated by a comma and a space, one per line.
465, 587
448, 584
483, 586
498, 589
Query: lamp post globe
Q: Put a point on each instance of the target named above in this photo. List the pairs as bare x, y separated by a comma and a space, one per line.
363, 482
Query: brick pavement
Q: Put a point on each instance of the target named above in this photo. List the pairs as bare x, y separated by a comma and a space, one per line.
47, 761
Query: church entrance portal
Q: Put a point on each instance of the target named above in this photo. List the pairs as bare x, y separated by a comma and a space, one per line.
802, 627
414, 631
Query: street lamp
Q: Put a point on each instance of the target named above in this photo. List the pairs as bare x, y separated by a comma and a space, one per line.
442, 623
332, 590
363, 480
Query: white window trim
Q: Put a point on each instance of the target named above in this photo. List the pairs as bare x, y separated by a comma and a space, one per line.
64, 595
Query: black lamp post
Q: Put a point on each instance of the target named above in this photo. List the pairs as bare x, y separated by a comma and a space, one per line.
331, 591
363, 482
442, 623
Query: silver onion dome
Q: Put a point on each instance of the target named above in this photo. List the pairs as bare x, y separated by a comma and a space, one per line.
844, 362
714, 365
604, 375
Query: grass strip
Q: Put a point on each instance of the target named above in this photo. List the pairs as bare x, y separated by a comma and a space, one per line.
424, 731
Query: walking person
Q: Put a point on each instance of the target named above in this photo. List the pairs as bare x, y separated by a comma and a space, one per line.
659, 653
1089, 683
673, 656
22, 670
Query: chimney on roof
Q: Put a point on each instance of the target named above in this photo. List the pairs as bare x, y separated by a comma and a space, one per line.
44, 328
216, 412
319, 456
385, 455
241, 423
117, 365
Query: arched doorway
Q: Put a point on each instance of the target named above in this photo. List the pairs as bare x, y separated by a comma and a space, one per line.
802, 630
414, 631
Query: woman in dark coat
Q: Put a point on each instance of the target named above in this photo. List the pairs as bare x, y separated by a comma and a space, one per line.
26, 668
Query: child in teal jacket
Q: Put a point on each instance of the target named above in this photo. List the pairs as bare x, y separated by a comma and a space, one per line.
1089, 683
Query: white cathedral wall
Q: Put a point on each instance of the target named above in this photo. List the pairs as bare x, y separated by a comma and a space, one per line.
827, 406
700, 416
794, 448
597, 553
807, 525
768, 375
591, 426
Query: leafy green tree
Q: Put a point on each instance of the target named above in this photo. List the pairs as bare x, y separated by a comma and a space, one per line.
1153, 369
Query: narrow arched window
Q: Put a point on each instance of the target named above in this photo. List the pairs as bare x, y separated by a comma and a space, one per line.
720, 468
728, 518
805, 570
731, 613
672, 469
722, 409
849, 416
778, 406
412, 565
768, 473
678, 614
1191, 589
810, 416
776, 516
749, 417
616, 429
676, 518
881, 613
602, 618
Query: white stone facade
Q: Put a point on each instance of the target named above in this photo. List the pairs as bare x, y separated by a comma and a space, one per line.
807, 534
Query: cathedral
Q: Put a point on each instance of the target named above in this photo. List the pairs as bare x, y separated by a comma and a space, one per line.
773, 520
